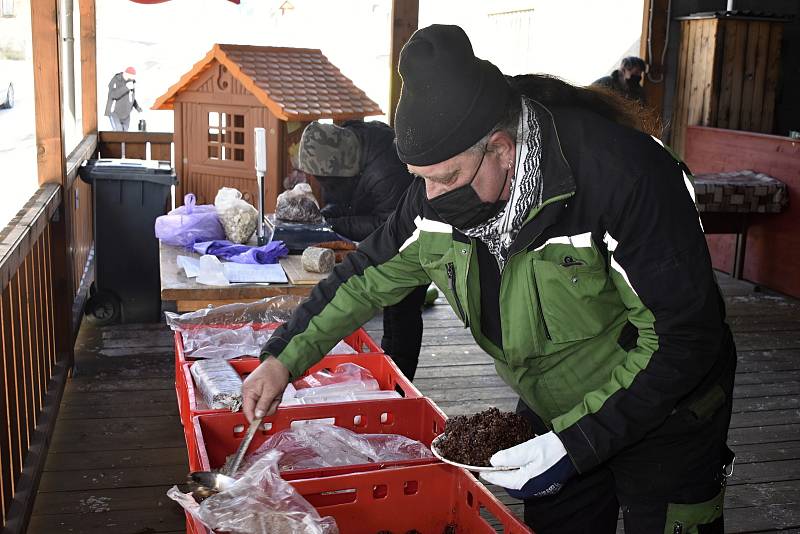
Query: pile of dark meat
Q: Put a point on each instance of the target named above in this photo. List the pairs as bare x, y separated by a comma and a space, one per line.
472, 440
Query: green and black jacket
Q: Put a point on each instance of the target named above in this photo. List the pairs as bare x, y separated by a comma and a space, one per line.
607, 315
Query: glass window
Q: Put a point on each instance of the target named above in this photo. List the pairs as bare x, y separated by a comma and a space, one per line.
7, 8
17, 112
226, 138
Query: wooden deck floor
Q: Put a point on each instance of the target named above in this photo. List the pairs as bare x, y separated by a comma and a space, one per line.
118, 444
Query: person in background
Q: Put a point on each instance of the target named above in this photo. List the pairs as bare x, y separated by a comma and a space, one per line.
362, 182
122, 99
627, 79
567, 240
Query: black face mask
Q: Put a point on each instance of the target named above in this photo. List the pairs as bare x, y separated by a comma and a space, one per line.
634, 80
463, 208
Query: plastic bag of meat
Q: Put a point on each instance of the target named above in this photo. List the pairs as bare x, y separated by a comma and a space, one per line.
298, 205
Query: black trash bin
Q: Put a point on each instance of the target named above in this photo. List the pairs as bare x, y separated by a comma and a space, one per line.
128, 196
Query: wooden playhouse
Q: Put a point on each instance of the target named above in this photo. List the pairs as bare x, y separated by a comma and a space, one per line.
236, 88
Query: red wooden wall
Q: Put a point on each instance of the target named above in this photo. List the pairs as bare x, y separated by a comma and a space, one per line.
773, 243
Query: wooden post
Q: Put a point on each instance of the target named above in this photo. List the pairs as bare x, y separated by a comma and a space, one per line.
654, 91
88, 66
47, 90
405, 19
52, 160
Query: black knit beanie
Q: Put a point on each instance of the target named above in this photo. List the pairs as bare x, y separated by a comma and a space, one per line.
450, 98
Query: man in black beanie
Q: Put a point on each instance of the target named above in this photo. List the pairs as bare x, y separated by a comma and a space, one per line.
569, 244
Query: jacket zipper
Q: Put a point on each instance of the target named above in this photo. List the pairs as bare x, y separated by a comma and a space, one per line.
451, 276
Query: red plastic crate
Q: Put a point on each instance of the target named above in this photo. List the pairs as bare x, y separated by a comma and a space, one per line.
359, 340
381, 366
425, 498
218, 435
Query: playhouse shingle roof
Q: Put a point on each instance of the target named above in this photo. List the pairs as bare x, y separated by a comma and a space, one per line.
294, 83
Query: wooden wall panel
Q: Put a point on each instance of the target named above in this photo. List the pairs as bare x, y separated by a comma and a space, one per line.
773, 243
728, 72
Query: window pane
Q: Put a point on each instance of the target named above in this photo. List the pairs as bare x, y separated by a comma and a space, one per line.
213, 152
225, 121
8, 8
238, 138
224, 152
213, 118
238, 121
17, 114
213, 135
238, 154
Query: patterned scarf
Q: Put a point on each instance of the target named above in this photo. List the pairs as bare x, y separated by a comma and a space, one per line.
526, 189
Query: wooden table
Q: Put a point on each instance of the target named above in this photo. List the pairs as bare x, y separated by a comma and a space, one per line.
726, 200
189, 295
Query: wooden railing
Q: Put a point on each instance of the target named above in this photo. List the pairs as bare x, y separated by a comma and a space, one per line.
137, 145
45, 270
34, 361
79, 215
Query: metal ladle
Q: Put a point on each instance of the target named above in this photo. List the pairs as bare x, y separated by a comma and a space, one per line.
207, 483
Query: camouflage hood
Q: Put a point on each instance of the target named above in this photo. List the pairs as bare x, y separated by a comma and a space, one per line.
329, 150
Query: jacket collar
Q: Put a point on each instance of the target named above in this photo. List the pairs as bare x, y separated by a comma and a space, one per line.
558, 183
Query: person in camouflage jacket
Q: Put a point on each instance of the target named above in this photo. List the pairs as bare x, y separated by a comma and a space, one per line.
362, 182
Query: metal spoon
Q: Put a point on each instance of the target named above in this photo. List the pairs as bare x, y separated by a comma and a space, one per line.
208, 483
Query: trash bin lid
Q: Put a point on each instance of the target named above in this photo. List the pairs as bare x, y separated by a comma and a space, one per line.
156, 171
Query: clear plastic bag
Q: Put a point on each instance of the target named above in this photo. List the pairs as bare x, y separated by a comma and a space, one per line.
313, 445
340, 395
224, 343
219, 384
206, 333
188, 224
238, 217
269, 310
259, 502
344, 372
348, 382
298, 204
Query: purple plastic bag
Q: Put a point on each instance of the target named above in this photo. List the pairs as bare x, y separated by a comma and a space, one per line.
188, 224
225, 250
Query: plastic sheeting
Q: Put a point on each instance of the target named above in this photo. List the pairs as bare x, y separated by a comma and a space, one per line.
313, 445
348, 382
259, 502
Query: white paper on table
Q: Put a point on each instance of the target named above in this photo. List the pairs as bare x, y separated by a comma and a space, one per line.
212, 272
191, 266
254, 273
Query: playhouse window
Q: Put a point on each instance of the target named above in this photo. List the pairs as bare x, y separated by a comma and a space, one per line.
225, 136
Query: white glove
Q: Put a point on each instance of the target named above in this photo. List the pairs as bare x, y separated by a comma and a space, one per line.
544, 467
